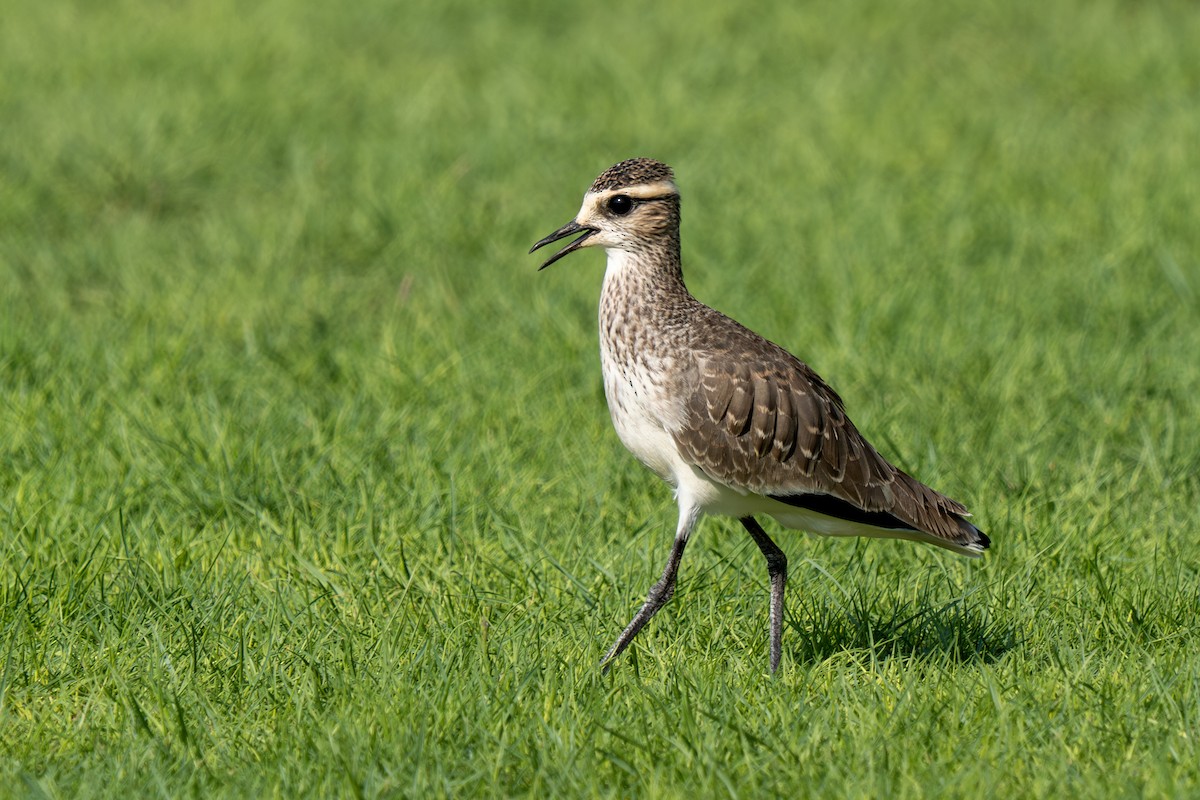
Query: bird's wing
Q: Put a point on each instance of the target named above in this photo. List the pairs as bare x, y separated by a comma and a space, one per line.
760, 420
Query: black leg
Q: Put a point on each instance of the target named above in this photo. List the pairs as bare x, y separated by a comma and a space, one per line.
777, 572
660, 592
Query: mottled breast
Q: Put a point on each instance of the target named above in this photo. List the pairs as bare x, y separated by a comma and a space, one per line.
642, 383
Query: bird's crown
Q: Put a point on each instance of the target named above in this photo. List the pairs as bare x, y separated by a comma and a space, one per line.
633, 172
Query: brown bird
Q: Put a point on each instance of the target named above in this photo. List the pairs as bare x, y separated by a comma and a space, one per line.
737, 425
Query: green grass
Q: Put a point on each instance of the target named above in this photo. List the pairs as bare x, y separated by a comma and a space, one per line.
307, 486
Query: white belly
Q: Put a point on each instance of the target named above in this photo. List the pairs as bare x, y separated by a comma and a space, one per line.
637, 411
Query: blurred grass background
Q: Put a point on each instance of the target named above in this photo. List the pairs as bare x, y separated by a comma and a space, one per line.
306, 482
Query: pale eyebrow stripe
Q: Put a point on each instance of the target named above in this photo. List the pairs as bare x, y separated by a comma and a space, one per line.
647, 191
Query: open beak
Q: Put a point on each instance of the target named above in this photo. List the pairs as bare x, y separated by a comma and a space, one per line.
570, 229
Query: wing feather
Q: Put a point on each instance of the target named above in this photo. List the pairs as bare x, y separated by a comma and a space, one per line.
762, 428
783, 446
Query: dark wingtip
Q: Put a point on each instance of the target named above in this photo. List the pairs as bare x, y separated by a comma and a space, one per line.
974, 539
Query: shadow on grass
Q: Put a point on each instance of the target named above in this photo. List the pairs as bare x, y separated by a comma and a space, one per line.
960, 631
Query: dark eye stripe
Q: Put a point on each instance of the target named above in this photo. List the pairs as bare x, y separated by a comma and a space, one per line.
634, 202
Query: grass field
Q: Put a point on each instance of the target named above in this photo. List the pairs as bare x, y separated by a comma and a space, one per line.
307, 485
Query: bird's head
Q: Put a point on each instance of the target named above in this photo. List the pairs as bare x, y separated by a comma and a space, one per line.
630, 206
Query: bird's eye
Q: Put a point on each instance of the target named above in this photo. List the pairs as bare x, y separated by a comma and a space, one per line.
620, 205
